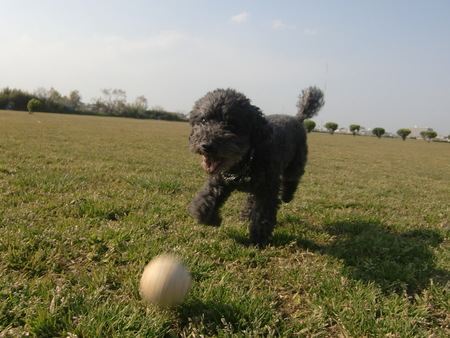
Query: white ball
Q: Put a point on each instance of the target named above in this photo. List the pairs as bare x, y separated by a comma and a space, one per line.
165, 281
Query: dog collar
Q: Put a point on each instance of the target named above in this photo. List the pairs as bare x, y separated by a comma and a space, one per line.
244, 174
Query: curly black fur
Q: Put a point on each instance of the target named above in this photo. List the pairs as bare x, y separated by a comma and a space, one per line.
243, 149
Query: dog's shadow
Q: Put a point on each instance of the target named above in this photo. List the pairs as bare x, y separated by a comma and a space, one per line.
396, 261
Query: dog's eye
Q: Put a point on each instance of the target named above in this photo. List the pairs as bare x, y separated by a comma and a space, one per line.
203, 121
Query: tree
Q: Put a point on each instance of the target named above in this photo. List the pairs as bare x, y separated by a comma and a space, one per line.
54, 96
309, 125
114, 101
14, 99
403, 133
140, 103
428, 135
41, 93
136, 109
52, 100
158, 108
74, 99
34, 105
354, 128
331, 127
378, 132
55, 101
120, 101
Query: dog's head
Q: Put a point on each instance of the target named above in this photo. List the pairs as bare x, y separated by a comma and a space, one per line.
225, 127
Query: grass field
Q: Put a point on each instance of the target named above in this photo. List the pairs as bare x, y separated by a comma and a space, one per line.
85, 202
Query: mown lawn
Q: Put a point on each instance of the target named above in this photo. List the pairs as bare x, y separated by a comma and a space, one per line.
85, 202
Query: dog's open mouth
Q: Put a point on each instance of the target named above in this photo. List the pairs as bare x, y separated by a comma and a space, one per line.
211, 164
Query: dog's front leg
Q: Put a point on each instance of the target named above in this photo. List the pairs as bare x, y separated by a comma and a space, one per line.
246, 212
206, 205
263, 217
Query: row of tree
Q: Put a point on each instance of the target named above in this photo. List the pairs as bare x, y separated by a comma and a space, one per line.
378, 132
427, 135
112, 102
51, 100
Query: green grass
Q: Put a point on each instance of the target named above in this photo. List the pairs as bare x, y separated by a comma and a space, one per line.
85, 202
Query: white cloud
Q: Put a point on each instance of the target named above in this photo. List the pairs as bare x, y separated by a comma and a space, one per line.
310, 31
278, 24
241, 17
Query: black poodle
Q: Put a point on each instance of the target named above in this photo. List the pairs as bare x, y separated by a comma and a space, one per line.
242, 149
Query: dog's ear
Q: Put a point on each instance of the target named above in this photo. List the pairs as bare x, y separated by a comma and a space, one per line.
247, 118
209, 107
193, 117
260, 131
197, 112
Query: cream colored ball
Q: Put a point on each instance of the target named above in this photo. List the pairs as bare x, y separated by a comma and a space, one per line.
165, 281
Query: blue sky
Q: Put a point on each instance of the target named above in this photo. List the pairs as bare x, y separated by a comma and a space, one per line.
381, 63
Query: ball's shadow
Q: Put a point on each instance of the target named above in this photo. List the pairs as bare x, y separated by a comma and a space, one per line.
209, 315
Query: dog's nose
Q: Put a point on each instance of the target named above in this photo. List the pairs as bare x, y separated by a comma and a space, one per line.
208, 147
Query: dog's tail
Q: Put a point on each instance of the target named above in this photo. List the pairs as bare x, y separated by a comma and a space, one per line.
309, 103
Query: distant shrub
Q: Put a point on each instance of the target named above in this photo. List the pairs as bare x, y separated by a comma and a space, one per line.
354, 128
163, 115
428, 135
441, 141
378, 132
331, 127
34, 105
309, 125
403, 133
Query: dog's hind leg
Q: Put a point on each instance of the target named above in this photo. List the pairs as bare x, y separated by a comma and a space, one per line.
288, 188
291, 177
289, 185
205, 206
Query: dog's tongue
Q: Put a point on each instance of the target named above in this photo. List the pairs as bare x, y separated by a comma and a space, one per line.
210, 164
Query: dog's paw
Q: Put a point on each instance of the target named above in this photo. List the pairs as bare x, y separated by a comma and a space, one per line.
286, 198
214, 221
288, 190
257, 242
206, 217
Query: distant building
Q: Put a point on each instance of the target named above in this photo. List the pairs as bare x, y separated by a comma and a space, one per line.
416, 130
364, 131
343, 131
